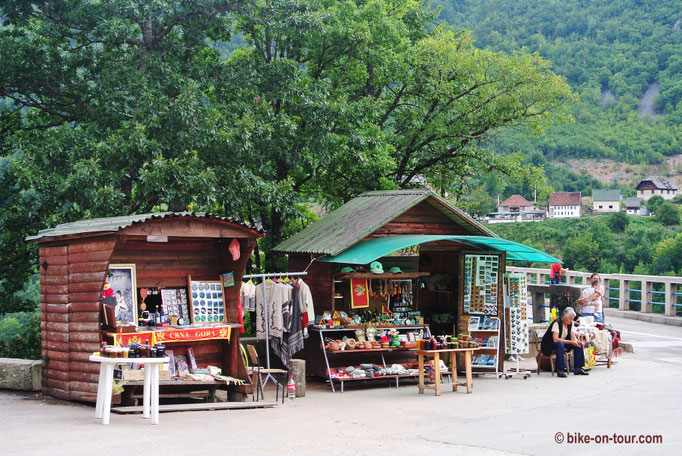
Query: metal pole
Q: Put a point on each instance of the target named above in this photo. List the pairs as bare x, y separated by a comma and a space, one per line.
267, 318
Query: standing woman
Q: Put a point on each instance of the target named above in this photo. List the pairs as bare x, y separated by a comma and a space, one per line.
593, 297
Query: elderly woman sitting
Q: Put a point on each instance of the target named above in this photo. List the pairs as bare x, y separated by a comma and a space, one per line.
560, 338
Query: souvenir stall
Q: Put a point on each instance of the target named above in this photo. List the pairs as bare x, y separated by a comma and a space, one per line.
390, 268
144, 285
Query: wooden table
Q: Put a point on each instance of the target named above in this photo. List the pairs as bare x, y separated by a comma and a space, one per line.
151, 385
435, 354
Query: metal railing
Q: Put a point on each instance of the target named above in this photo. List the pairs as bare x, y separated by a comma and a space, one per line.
621, 290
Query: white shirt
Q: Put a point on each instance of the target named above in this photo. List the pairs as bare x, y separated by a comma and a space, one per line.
593, 306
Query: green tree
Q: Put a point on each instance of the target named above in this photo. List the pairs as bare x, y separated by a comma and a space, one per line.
581, 250
654, 203
618, 222
667, 256
668, 214
129, 105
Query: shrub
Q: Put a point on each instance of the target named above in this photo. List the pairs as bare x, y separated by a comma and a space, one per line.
20, 335
668, 214
618, 222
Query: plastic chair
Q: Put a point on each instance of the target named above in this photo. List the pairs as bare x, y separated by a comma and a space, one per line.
257, 372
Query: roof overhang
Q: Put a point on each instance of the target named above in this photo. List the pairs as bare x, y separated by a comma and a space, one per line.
365, 252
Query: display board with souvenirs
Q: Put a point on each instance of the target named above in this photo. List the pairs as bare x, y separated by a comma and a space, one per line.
516, 317
206, 301
481, 284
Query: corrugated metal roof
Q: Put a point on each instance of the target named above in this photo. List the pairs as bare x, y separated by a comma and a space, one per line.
363, 215
634, 203
113, 224
659, 182
606, 195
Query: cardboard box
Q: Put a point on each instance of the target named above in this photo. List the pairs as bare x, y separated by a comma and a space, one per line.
133, 375
138, 375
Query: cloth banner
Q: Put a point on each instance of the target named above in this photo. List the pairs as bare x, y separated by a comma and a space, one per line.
174, 335
358, 296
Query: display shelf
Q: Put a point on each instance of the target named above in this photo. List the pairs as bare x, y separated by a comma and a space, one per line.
379, 377
371, 350
376, 353
488, 325
352, 328
384, 276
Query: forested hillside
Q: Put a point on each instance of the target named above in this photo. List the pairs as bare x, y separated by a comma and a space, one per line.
612, 52
604, 243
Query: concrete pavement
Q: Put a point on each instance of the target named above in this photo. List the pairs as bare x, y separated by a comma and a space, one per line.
639, 395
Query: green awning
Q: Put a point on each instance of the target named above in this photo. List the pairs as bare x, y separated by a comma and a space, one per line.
365, 252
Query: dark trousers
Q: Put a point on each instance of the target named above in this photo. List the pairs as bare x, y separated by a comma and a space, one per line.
578, 356
553, 281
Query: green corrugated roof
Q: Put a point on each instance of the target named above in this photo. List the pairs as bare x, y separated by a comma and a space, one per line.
113, 224
606, 195
363, 215
365, 252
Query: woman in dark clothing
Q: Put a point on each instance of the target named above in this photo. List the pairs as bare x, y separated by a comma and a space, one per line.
560, 338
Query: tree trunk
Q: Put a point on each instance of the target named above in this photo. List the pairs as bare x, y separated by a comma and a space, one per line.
275, 261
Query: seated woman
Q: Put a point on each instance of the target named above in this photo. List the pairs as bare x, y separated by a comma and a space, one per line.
592, 300
560, 338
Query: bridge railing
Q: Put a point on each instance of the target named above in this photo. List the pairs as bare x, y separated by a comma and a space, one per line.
642, 293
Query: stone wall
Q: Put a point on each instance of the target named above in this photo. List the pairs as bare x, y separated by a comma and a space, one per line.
20, 374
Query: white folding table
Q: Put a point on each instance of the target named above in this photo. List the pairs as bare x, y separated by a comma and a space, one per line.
151, 385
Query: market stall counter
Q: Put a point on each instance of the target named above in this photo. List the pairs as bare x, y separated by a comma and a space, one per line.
151, 281
410, 257
435, 354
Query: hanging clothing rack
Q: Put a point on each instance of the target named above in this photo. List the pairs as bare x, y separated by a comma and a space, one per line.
263, 277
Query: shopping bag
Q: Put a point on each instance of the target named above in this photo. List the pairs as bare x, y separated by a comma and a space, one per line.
590, 360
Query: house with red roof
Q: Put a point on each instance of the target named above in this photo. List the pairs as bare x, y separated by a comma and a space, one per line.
516, 208
564, 205
516, 204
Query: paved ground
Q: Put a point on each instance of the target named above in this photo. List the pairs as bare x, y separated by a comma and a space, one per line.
640, 395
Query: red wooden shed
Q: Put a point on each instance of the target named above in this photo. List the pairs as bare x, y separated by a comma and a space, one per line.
166, 248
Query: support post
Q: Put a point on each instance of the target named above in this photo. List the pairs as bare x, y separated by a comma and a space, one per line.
670, 298
623, 303
646, 291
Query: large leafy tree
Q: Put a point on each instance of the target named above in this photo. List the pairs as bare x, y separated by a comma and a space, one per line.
131, 105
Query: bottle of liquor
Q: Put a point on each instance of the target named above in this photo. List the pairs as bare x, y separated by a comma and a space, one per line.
291, 388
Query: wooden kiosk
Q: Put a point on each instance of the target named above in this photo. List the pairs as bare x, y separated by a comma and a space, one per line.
455, 266
166, 249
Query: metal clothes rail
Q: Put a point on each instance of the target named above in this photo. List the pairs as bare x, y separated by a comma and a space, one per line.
263, 277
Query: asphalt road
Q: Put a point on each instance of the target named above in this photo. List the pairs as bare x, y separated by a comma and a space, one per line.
639, 396
651, 341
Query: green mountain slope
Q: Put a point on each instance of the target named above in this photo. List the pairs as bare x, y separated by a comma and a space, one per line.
612, 52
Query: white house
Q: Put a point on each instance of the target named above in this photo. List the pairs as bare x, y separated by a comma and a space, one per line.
656, 186
516, 208
515, 204
564, 205
606, 200
633, 206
